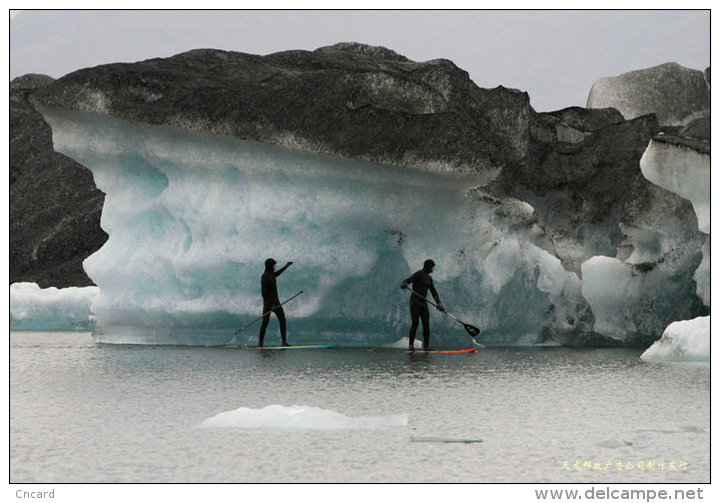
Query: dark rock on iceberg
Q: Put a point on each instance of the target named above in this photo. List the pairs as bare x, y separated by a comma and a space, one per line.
695, 135
677, 95
54, 204
349, 100
370, 103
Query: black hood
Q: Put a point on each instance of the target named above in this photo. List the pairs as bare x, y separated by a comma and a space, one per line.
269, 263
428, 265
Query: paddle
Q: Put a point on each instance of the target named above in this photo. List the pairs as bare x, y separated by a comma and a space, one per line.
471, 330
261, 317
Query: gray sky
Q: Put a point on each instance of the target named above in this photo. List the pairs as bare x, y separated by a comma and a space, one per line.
555, 56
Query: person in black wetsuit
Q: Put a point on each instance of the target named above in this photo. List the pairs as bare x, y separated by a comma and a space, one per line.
421, 282
271, 301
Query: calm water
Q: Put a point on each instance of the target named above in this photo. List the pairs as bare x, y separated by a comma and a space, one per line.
82, 412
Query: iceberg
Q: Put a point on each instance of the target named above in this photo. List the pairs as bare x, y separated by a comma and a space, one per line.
298, 417
191, 218
358, 164
51, 309
686, 340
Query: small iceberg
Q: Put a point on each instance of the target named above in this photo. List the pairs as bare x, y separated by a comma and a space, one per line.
676, 428
446, 440
298, 417
52, 309
616, 442
687, 340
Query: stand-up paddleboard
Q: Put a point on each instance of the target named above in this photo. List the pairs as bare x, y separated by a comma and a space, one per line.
442, 351
324, 346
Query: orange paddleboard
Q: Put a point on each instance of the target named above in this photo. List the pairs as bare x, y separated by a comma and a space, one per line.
449, 351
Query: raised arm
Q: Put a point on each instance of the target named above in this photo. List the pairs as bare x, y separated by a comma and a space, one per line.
282, 270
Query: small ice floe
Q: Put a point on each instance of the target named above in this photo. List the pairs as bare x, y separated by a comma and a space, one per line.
619, 442
676, 428
51, 309
687, 340
446, 440
298, 417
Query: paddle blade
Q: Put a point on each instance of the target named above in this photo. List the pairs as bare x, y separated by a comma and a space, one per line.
473, 331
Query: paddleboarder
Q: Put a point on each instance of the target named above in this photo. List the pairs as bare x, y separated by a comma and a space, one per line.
421, 282
271, 301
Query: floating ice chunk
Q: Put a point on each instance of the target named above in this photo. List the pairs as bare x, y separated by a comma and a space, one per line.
676, 428
35, 308
616, 442
298, 417
682, 340
446, 440
613, 443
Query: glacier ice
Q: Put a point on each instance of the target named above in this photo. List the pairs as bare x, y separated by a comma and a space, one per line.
645, 272
35, 308
192, 217
298, 417
682, 340
608, 286
628, 298
682, 171
685, 172
702, 274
